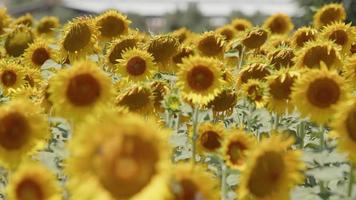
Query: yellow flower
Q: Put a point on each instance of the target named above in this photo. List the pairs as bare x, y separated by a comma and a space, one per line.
227, 31
303, 35
241, 24
328, 14
33, 181
12, 76
18, 40
23, 130
271, 171
255, 70
223, 104
184, 51
318, 93
255, 91
38, 53
159, 90
210, 137
350, 70
4, 20
26, 20
125, 157
282, 57
190, 182
211, 44
78, 39
47, 25
340, 33
254, 38
183, 34
112, 24
235, 147
279, 23
199, 79
136, 65
80, 90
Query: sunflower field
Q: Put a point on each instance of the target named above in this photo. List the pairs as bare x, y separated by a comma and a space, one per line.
96, 110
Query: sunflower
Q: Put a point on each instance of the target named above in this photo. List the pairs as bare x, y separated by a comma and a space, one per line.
279, 23
199, 79
255, 91
79, 90
183, 34
303, 35
190, 182
38, 53
32, 181
23, 130
227, 31
184, 51
159, 90
12, 76
318, 93
26, 20
319, 51
271, 171
328, 14
235, 147
256, 70
17, 40
254, 38
118, 46
47, 25
210, 137
136, 65
112, 24
350, 70
31, 93
125, 157
4, 20
279, 87
282, 57
340, 33
33, 77
241, 24
211, 44
138, 98
78, 39
163, 48
223, 104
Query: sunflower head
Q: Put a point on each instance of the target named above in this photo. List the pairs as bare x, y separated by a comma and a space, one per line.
227, 31
255, 91
350, 70
184, 52
211, 44
112, 24
328, 14
254, 38
303, 35
210, 137
17, 40
183, 34
316, 52
46, 26
224, 103
38, 53
241, 24
272, 170
4, 20
159, 90
200, 79
12, 76
254, 70
138, 98
78, 39
279, 24
282, 57
26, 20
341, 34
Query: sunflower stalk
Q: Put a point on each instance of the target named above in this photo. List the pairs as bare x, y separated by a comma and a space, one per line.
241, 57
351, 180
301, 133
223, 180
195, 132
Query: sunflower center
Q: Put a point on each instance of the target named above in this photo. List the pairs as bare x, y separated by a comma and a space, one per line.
318, 54
228, 34
281, 90
209, 46
136, 66
278, 25
111, 26
266, 174
40, 56
83, 90
304, 37
236, 152
200, 78
29, 189
255, 39
46, 27
351, 124
323, 92
240, 27
77, 38
339, 37
131, 166
14, 131
8, 78
329, 16
119, 48
210, 140
187, 190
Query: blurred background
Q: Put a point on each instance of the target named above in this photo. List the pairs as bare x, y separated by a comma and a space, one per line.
166, 15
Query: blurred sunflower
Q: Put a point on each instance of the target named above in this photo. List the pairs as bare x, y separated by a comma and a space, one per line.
12, 76
235, 146
136, 65
112, 24
33, 181
210, 137
160, 89
211, 44
125, 157
5, 20
227, 31
47, 25
254, 38
200, 79
33, 77
256, 70
340, 33
350, 70
80, 90
271, 171
282, 57
318, 93
138, 98
186, 183
78, 39
316, 52
184, 51
183, 34
328, 14
26, 20
255, 91
223, 104
17, 40
38, 53
23, 130
303, 35
241, 24
279, 23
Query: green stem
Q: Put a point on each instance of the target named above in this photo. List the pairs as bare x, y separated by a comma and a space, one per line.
195, 132
351, 180
241, 58
223, 180
276, 121
301, 134
322, 140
